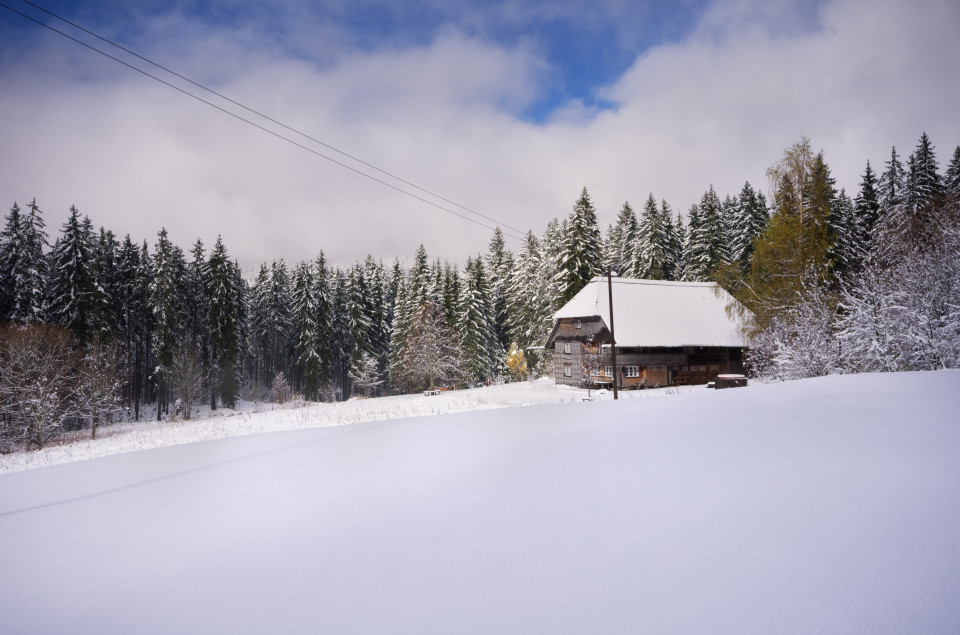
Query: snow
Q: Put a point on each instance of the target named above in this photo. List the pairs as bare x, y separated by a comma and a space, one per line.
660, 313
828, 505
257, 418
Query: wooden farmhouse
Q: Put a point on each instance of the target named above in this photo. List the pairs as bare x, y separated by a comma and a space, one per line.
668, 333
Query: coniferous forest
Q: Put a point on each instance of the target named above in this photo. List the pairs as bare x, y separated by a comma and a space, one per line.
95, 328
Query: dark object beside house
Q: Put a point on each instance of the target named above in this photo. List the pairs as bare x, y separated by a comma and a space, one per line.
730, 381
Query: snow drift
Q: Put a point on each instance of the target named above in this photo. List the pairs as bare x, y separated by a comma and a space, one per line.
828, 505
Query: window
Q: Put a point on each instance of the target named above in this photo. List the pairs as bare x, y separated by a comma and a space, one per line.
579, 324
608, 371
631, 371
567, 372
566, 348
714, 368
594, 372
604, 348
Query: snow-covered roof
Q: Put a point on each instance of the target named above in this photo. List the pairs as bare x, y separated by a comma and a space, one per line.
660, 313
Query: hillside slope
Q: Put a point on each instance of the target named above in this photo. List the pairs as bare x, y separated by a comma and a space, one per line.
819, 506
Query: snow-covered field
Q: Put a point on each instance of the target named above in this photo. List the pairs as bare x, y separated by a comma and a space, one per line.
829, 505
256, 418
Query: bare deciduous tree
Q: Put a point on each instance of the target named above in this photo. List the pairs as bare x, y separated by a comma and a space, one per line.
37, 389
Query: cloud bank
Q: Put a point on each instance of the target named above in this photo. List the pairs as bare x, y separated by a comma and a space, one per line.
715, 106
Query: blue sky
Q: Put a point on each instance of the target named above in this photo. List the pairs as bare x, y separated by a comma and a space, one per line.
507, 108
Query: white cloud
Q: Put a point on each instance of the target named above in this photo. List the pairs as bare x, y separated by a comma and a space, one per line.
717, 107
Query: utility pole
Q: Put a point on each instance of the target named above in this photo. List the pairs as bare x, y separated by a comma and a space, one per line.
613, 338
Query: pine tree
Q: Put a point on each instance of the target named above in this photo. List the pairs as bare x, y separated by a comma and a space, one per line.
166, 302
378, 316
651, 258
580, 259
499, 265
73, 292
847, 249
341, 346
706, 247
923, 182
11, 249
411, 295
951, 181
23, 266
359, 315
227, 314
529, 297
670, 245
309, 365
622, 240
477, 331
892, 185
678, 247
867, 206
324, 321
105, 274
134, 321
197, 327
750, 219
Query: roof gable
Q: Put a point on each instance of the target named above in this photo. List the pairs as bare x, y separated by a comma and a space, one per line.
660, 313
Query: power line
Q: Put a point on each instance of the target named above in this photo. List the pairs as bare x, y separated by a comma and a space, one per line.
270, 119
514, 233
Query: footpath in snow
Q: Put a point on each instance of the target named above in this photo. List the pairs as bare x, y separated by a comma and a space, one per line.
828, 505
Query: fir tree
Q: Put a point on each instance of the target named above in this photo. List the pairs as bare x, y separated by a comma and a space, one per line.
227, 313
530, 299
622, 240
477, 331
499, 265
580, 259
867, 206
847, 249
105, 274
74, 292
951, 181
651, 257
923, 182
166, 302
750, 220
670, 245
706, 246
309, 366
341, 346
23, 266
892, 185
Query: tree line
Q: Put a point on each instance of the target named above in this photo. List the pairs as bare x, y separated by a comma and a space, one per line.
149, 330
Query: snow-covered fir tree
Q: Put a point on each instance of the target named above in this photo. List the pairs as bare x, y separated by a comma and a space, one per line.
706, 246
308, 376
227, 315
166, 300
620, 246
23, 266
651, 260
923, 181
74, 292
580, 259
499, 261
478, 336
892, 184
951, 180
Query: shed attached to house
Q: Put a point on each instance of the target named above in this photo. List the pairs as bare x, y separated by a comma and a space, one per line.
668, 333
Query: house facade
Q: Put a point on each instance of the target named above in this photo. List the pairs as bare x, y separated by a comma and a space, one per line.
668, 333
